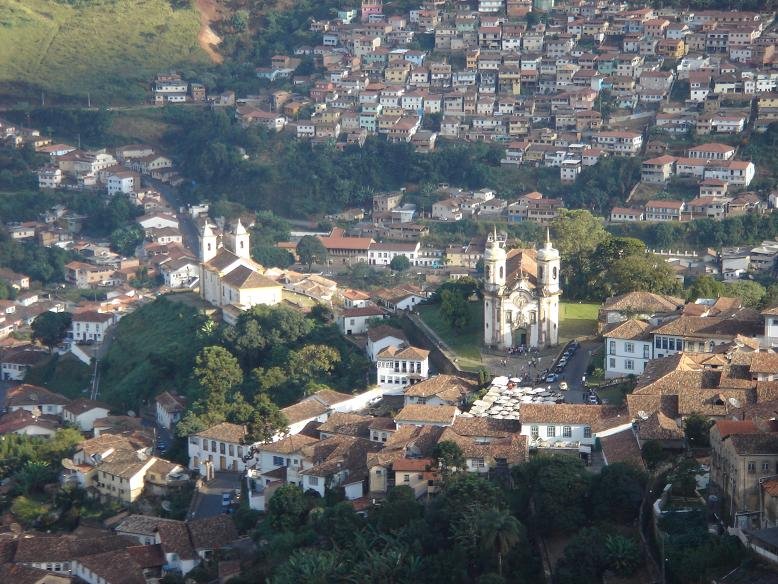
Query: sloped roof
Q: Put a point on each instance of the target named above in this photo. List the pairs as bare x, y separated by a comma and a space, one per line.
631, 329
643, 303
446, 387
622, 447
426, 413
597, 417
33, 395
225, 431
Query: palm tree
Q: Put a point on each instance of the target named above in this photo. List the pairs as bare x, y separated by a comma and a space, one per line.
500, 531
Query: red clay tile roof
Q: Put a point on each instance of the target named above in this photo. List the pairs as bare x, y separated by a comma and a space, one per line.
420, 413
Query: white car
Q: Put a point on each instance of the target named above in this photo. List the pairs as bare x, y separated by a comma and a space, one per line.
563, 385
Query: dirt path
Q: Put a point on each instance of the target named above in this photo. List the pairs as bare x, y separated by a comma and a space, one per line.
208, 39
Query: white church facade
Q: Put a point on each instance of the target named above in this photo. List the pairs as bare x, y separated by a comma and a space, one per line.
521, 295
229, 278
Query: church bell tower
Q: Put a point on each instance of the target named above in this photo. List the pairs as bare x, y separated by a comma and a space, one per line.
495, 259
548, 260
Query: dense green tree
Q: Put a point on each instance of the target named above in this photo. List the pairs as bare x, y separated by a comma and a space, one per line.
266, 420
271, 256
7, 292
500, 532
640, 272
652, 453
449, 456
585, 558
750, 293
705, 287
262, 328
400, 263
124, 240
623, 555
617, 492
312, 361
286, 508
454, 309
217, 371
398, 511
50, 328
558, 487
696, 429
311, 251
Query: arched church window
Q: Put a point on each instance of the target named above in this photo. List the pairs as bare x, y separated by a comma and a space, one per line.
241, 244
533, 317
540, 272
209, 247
501, 272
488, 272
554, 273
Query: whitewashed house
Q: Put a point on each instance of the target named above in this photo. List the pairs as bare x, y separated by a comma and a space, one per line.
398, 366
628, 348
381, 337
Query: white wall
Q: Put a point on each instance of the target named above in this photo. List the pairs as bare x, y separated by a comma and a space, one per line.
617, 355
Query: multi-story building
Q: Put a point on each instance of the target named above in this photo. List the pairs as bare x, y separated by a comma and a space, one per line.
742, 456
398, 366
218, 448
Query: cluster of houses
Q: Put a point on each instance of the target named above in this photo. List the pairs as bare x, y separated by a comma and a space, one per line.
132, 549
540, 89
70, 167
712, 358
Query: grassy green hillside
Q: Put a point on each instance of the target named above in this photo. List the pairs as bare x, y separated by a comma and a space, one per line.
110, 48
153, 350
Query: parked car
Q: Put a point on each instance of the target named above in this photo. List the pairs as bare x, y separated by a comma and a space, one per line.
551, 378
226, 499
593, 399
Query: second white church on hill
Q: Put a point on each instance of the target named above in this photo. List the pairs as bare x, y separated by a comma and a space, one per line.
521, 295
229, 278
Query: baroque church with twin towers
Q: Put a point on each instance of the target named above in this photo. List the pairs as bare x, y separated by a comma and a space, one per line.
521, 294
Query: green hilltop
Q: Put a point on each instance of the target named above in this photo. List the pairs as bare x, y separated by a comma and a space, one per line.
108, 48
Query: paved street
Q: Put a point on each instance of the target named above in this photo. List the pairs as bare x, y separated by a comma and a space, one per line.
185, 222
521, 366
209, 496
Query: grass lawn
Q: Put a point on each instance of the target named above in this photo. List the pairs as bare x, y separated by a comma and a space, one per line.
577, 320
465, 343
110, 49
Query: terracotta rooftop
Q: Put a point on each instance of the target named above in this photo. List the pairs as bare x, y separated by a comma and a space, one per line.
421, 413
382, 331
643, 302
33, 395
598, 418
211, 533
622, 447
225, 431
447, 387
628, 330
403, 352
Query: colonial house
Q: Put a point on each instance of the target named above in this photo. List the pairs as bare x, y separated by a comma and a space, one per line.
440, 390
571, 425
426, 415
169, 408
488, 445
662, 210
16, 361
346, 249
398, 366
314, 408
353, 321
743, 454
381, 337
382, 254
628, 348
641, 305
90, 326
220, 447
83, 412
36, 400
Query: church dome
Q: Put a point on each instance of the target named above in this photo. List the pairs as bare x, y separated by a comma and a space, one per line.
494, 251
